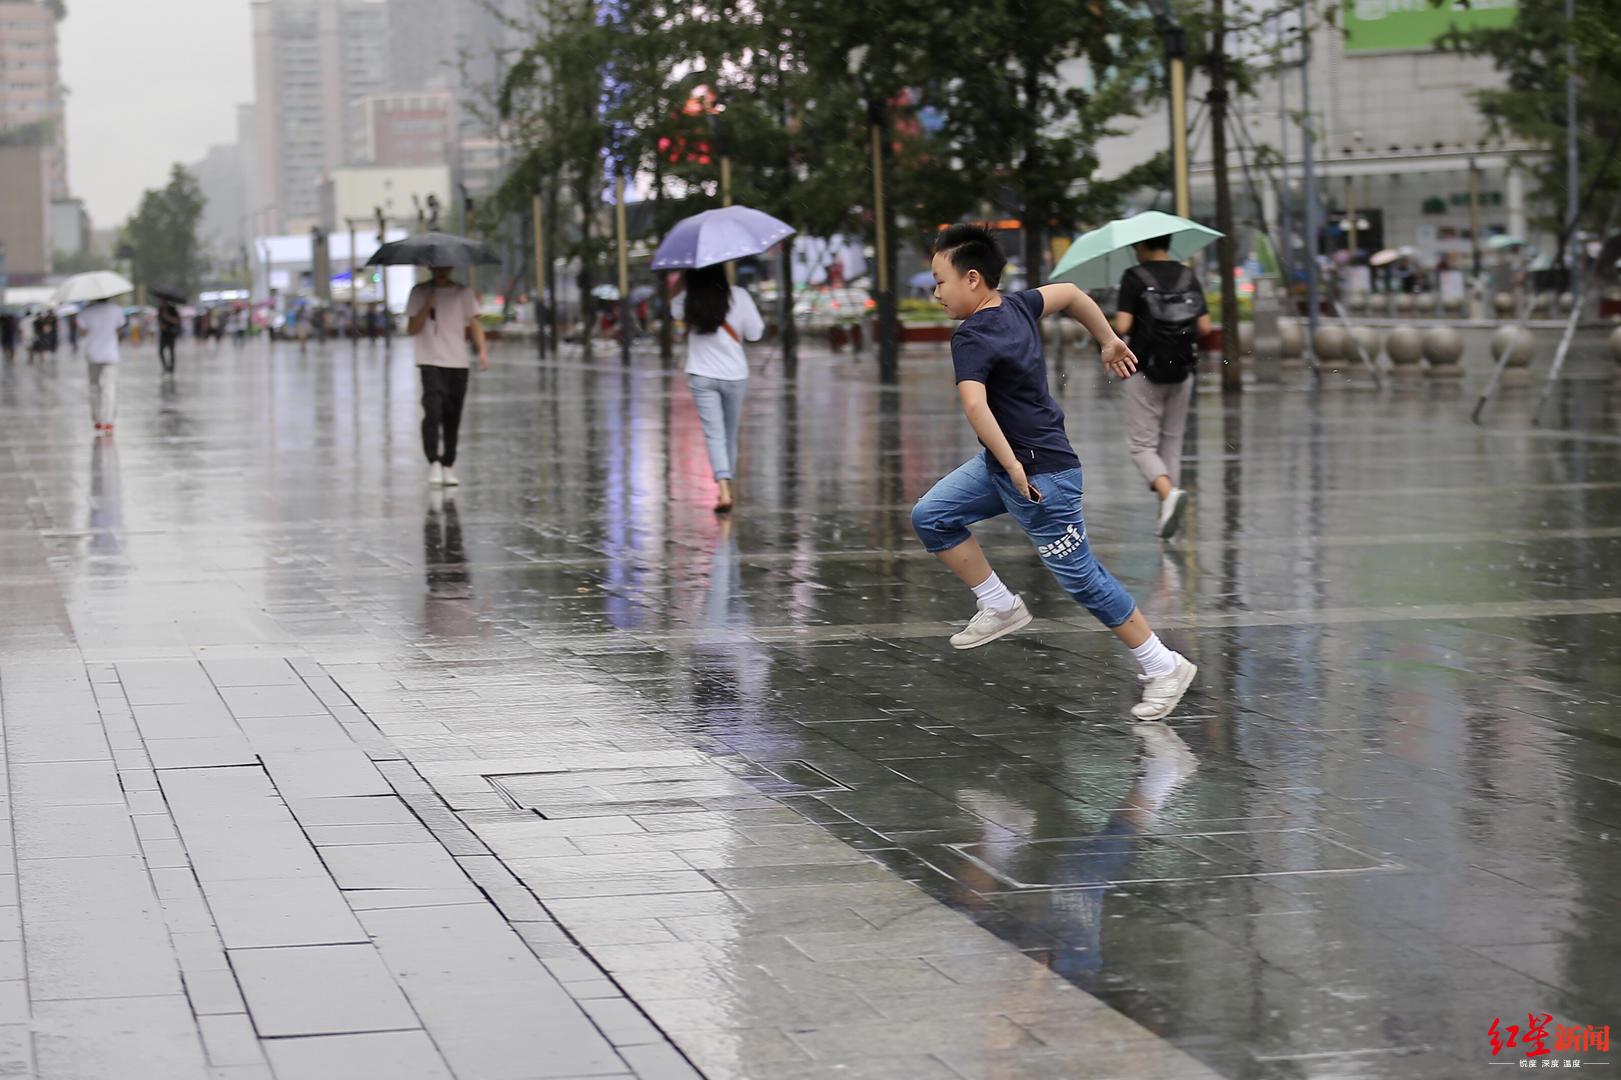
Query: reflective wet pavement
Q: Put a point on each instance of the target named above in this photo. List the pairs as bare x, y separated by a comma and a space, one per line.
313, 772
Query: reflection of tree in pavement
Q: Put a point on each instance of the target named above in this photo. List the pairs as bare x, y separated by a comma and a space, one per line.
1079, 871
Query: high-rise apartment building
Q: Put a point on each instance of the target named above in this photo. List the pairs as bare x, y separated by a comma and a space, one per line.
312, 60
460, 45
31, 86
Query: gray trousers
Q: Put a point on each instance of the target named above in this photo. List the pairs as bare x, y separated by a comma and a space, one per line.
103, 392
1156, 416
720, 411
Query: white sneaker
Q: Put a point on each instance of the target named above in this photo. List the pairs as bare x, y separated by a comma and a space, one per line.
436, 473
1170, 513
1162, 692
987, 625
450, 479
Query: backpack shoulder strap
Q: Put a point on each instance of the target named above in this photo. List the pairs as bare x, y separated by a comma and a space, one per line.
1186, 281
1146, 276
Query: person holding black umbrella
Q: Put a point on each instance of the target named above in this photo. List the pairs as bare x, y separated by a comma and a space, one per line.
439, 314
168, 334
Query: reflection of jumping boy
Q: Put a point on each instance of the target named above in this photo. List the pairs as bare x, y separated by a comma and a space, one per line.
1028, 468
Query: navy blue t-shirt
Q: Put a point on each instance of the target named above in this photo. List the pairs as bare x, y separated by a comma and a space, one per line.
1001, 347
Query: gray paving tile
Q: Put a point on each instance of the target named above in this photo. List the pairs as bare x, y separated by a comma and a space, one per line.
229, 1039
17, 1050
100, 887
287, 699
386, 1055
250, 671
270, 912
354, 810
65, 783
204, 718
396, 866
101, 1037
100, 958
324, 774
320, 990
164, 682
213, 991
49, 832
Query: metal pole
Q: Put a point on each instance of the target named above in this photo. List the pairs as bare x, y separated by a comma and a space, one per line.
354, 283
887, 346
1572, 164
1179, 124
1350, 216
624, 267
1474, 219
540, 277
382, 272
1310, 169
1560, 354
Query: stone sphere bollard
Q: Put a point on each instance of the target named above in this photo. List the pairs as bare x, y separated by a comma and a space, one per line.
1368, 338
1521, 346
1402, 303
1405, 347
1504, 303
1358, 300
1292, 344
1566, 302
1246, 339
1426, 303
1455, 305
1331, 343
1540, 303
1443, 347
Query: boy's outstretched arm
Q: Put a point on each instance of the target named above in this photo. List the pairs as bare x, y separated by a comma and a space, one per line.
1069, 300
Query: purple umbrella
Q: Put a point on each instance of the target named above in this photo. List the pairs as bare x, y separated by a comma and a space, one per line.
717, 236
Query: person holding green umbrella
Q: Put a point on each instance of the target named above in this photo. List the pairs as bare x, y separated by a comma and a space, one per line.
1162, 313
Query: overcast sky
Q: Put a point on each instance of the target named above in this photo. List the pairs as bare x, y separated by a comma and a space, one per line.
150, 83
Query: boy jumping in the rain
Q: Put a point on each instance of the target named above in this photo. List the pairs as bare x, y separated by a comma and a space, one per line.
1028, 468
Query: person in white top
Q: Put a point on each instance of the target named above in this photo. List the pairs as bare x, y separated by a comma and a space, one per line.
440, 312
100, 323
719, 318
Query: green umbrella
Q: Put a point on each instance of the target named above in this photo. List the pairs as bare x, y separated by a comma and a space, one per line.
1099, 259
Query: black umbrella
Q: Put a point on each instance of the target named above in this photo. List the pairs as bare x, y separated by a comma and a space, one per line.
434, 249
174, 295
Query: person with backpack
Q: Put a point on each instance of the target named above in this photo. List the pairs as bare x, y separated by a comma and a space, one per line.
1162, 314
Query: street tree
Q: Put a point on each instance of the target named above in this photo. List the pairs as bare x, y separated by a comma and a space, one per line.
163, 233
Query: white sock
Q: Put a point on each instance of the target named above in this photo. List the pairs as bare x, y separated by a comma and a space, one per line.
993, 594
1154, 658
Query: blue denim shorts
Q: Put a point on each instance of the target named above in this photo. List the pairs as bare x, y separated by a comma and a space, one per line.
1054, 525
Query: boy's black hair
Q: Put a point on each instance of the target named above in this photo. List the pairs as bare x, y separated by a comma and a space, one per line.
1158, 243
972, 247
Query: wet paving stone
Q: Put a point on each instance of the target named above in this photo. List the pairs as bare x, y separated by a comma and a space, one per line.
560, 758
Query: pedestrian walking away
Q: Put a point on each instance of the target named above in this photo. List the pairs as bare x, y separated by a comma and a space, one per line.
1162, 314
168, 333
719, 318
439, 314
1028, 468
101, 322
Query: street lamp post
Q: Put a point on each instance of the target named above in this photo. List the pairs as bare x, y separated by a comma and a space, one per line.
1176, 52
877, 132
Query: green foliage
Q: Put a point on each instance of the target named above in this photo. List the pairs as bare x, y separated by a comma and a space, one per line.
163, 234
78, 262
1530, 54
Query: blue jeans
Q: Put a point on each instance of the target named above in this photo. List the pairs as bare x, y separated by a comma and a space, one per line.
720, 411
972, 493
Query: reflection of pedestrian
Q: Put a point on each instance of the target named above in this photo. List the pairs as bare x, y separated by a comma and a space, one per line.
168, 334
440, 313
73, 332
1163, 314
442, 550
1028, 470
719, 317
102, 321
8, 335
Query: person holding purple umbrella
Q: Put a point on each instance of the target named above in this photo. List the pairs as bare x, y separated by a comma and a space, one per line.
719, 317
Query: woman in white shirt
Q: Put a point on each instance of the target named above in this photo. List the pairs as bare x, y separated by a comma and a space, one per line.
719, 318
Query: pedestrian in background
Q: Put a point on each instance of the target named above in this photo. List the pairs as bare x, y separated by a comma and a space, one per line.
168, 334
719, 318
1162, 314
439, 315
8, 335
101, 322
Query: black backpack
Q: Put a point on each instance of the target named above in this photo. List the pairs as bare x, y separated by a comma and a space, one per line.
1165, 337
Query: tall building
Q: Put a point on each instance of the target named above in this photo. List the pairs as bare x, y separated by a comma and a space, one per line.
31, 109
226, 177
403, 128
312, 60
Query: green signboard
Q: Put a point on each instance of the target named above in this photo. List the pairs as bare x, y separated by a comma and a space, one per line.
1376, 25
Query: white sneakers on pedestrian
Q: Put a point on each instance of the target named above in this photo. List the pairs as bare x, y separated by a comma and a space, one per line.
1170, 513
448, 478
987, 625
436, 474
1162, 692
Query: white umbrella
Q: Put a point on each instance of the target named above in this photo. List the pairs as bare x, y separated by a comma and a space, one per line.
96, 285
